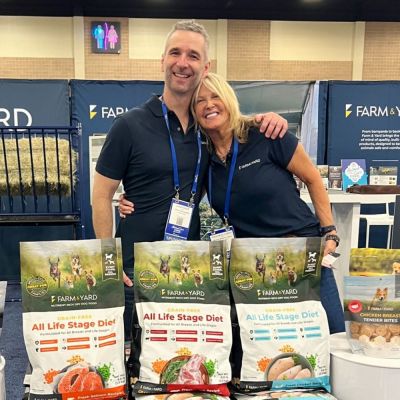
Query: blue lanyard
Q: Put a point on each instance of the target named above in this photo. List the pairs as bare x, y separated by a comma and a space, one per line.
230, 179
175, 162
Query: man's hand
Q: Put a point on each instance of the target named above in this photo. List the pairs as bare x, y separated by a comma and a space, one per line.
125, 207
272, 125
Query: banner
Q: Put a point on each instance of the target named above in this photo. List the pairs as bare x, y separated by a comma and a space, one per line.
95, 104
34, 102
364, 122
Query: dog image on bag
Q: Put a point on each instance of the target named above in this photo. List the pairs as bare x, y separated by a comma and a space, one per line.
185, 267
198, 278
178, 278
379, 298
90, 280
396, 268
55, 271
69, 282
280, 263
260, 266
165, 269
292, 276
76, 267
272, 278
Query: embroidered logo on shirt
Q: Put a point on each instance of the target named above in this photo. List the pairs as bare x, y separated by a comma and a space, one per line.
256, 161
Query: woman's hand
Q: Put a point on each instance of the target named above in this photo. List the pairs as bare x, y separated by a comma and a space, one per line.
125, 207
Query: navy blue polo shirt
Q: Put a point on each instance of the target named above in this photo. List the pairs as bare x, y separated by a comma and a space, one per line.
264, 199
137, 151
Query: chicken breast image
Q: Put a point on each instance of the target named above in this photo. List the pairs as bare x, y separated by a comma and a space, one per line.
303, 374
290, 373
279, 366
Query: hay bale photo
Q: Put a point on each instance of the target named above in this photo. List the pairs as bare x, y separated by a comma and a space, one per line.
35, 166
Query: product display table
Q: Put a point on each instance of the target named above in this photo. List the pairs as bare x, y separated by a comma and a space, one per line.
358, 377
346, 213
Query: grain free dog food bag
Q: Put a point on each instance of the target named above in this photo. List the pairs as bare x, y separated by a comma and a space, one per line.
299, 394
73, 303
183, 311
182, 396
284, 330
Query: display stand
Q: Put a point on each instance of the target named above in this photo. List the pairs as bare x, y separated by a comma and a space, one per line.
358, 377
346, 214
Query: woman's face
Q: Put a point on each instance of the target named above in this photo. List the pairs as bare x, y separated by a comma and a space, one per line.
210, 111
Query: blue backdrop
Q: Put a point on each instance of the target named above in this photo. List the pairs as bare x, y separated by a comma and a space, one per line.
363, 121
95, 104
34, 103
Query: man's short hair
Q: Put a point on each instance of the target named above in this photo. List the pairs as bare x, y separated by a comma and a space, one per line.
190, 25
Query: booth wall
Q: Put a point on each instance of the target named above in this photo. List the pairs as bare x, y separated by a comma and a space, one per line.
36, 47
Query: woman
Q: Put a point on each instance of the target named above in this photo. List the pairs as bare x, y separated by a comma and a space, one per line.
251, 183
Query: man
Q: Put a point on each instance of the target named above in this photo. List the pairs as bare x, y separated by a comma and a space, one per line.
155, 150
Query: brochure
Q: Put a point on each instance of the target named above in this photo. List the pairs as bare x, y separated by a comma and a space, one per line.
335, 177
383, 175
353, 172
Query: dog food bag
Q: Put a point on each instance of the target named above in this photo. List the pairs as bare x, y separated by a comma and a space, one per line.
374, 262
300, 394
182, 396
183, 311
372, 315
284, 330
73, 304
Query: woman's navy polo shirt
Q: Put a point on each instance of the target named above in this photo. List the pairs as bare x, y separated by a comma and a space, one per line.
264, 199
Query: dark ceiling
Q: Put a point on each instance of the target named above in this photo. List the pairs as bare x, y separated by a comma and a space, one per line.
289, 10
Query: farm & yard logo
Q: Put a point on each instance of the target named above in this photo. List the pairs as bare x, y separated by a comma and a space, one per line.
371, 111
105, 111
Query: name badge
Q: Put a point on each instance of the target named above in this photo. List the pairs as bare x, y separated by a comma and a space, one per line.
178, 222
226, 233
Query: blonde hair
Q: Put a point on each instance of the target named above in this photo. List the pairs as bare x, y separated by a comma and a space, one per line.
238, 122
190, 25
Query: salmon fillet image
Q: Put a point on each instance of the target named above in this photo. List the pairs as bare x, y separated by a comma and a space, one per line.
79, 379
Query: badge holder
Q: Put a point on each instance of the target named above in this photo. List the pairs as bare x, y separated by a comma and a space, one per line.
226, 233
179, 218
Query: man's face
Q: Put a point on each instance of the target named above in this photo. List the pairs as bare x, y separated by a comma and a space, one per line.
184, 62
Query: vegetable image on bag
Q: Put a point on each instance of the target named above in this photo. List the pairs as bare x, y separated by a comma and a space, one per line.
73, 303
183, 336
284, 331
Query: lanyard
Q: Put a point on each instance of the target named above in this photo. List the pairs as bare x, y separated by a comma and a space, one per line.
230, 179
175, 162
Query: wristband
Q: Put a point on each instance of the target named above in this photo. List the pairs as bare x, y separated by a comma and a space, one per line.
326, 229
335, 238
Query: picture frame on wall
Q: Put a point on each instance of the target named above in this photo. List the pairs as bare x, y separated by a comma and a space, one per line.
105, 37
